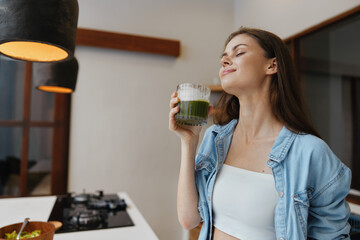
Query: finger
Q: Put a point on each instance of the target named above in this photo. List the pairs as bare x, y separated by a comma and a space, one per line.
174, 101
172, 124
174, 94
173, 111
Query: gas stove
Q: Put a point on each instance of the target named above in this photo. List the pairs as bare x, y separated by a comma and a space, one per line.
86, 211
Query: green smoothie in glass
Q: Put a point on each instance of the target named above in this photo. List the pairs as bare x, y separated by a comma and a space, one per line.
194, 104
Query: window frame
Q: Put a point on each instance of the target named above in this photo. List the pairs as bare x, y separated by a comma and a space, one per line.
295, 53
60, 139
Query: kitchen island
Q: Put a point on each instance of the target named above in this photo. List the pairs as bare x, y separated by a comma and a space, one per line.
14, 210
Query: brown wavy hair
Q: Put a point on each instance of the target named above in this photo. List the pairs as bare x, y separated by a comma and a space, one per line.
286, 96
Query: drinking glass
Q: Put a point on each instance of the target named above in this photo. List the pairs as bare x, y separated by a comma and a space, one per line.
194, 104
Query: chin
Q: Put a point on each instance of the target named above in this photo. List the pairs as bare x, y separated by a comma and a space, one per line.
228, 88
235, 89
228, 85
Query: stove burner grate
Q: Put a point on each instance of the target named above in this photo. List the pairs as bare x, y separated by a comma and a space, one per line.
90, 211
86, 219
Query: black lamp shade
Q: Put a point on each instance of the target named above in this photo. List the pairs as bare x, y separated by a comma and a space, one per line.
38, 30
57, 77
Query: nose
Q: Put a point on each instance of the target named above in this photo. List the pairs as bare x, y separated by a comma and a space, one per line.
225, 61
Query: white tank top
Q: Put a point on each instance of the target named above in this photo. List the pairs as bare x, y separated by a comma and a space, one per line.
244, 203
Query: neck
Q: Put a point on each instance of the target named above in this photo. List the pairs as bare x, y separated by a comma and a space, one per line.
256, 120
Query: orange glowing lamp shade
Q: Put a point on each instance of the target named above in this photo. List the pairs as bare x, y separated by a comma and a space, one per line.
54, 89
38, 30
33, 51
56, 77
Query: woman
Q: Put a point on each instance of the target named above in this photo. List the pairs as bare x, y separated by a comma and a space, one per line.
261, 172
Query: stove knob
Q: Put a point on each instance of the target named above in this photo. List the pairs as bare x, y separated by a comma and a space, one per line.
122, 204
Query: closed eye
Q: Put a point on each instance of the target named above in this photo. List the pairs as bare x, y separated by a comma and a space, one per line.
239, 54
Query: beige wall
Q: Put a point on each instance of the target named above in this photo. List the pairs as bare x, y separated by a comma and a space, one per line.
119, 124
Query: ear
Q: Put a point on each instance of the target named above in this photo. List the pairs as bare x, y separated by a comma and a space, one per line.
271, 67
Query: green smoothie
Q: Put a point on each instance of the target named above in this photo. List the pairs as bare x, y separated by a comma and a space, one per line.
192, 112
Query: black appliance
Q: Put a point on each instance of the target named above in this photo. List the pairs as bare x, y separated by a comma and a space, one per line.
81, 212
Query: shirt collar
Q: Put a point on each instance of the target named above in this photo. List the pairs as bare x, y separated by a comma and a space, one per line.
222, 131
280, 148
282, 145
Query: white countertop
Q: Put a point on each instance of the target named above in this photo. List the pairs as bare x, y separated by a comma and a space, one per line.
14, 210
355, 208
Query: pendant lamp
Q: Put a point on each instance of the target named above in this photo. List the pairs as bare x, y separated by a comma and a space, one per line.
38, 30
56, 77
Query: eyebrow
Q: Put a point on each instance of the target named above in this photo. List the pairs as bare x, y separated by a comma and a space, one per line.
233, 49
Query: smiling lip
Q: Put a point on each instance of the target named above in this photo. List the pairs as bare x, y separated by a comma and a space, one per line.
227, 71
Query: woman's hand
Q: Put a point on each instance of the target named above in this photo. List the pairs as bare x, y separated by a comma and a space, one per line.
185, 132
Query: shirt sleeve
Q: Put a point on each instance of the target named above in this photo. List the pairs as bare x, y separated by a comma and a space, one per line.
329, 212
204, 164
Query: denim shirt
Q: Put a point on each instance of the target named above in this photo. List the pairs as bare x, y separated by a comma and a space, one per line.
311, 181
